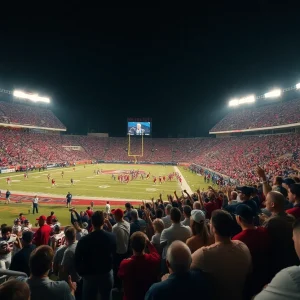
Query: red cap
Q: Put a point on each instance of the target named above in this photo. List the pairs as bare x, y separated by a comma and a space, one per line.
42, 218
118, 212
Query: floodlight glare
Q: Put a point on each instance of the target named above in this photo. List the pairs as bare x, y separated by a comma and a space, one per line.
298, 86
234, 102
32, 97
273, 94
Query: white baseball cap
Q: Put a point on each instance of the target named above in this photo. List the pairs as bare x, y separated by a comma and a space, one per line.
197, 215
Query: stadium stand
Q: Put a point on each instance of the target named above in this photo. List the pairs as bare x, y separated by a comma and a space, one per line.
276, 114
20, 114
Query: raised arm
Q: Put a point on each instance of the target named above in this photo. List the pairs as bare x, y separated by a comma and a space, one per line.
266, 187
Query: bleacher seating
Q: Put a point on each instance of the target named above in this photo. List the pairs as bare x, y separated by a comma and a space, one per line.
14, 113
276, 114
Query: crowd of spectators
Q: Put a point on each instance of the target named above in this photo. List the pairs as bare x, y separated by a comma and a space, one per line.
14, 113
270, 115
234, 243
234, 157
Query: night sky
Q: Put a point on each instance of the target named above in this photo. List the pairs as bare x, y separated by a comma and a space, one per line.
179, 69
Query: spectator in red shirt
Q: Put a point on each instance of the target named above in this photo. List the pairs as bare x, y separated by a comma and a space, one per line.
258, 241
22, 218
212, 204
141, 270
42, 235
50, 218
89, 212
294, 197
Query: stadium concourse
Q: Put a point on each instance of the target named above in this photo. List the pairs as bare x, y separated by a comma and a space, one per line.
238, 238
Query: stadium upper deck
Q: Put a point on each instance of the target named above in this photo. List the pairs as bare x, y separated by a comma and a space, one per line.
273, 116
28, 116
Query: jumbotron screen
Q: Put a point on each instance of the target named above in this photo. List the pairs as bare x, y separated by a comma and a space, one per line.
138, 128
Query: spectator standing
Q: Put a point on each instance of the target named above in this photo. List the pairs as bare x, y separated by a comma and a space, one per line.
127, 214
35, 204
89, 212
50, 218
187, 215
277, 186
41, 287
167, 219
176, 231
7, 243
181, 282
158, 226
294, 198
258, 242
42, 235
26, 226
68, 261
279, 227
94, 260
136, 281
14, 290
121, 230
136, 223
20, 261
201, 236
80, 232
285, 285
228, 262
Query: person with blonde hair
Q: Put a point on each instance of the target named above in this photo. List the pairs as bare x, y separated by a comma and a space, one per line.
201, 236
158, 226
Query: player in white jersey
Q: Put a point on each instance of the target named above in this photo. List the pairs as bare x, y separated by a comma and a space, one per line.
58, 238
7, 244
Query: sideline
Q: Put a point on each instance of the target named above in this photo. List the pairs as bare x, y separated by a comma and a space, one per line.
185, 185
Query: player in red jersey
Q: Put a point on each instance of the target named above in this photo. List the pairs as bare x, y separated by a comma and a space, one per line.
8, 181
148, 175
180, 180
53, 182
154, 180
159, 178
164, 178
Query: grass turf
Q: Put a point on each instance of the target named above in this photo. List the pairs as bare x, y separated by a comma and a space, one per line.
89, 184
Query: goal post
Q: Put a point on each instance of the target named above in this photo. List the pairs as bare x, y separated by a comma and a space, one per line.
135, 146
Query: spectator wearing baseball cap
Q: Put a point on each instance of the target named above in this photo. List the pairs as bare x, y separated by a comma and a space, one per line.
121, 230
294, 197
42, 235
20, 261
201, 236
285, 285
258, 242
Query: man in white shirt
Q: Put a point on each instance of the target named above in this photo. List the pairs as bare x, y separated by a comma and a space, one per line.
176, 231
167, 220
122, 232
107, 207
187, 215
35, 203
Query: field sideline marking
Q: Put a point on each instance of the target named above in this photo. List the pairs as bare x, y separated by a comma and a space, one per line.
185, 185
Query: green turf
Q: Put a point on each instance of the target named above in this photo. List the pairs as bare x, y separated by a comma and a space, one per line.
89, 184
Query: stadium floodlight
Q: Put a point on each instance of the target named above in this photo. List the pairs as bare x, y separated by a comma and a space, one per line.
233, 102
236, 102
273, 94
298, 86
31, 97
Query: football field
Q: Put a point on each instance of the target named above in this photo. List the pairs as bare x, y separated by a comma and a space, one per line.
88, 186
